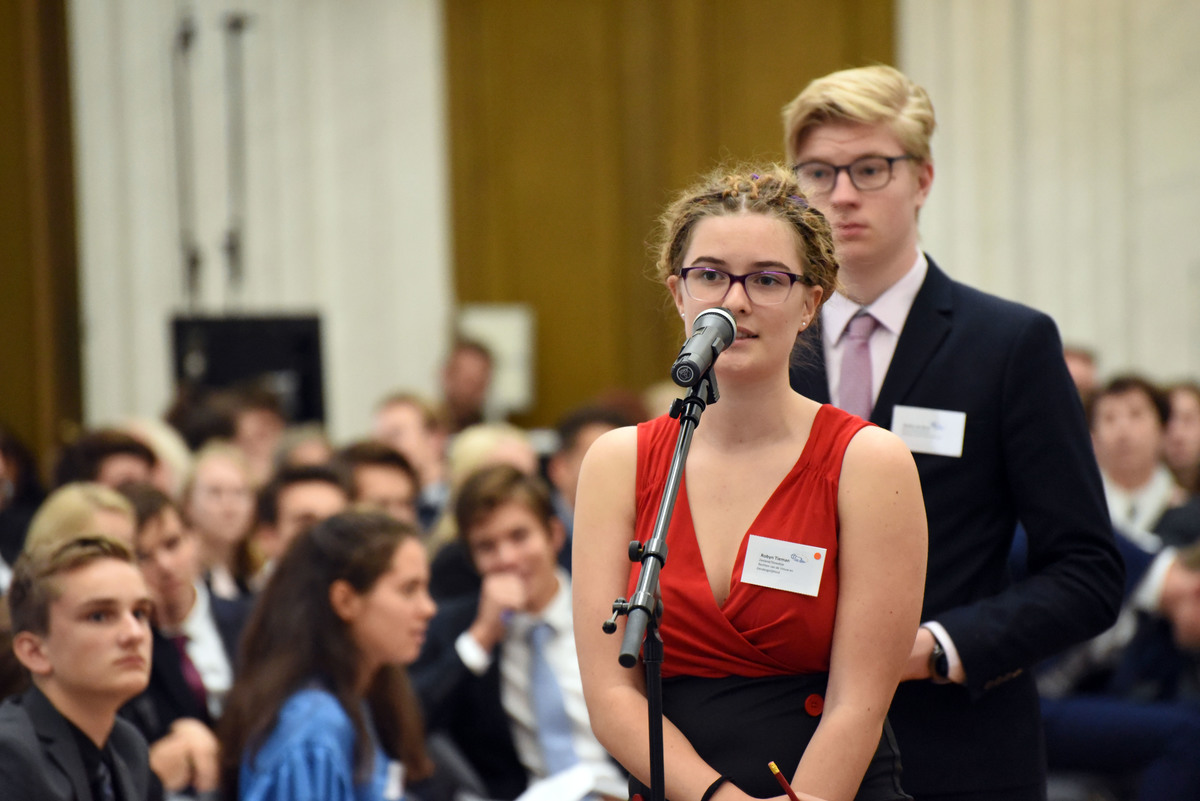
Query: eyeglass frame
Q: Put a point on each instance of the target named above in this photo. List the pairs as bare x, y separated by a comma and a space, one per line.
796, 278
838, 169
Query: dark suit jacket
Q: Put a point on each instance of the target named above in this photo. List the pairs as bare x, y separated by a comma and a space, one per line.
1180, 526
1026, 457
465, 706
40, 761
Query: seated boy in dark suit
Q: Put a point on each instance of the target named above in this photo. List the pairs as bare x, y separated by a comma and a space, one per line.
81, 626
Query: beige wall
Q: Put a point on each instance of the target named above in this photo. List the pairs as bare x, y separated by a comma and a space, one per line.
1068, 175
346, 181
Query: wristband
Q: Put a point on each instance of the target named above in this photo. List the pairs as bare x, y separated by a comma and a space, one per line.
712, 788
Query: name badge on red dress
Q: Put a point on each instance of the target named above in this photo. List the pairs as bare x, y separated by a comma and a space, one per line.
783, 565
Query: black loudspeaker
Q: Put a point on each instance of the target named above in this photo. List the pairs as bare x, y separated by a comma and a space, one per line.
281, 353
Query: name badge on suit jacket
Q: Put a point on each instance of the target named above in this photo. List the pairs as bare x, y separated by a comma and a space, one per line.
934, 431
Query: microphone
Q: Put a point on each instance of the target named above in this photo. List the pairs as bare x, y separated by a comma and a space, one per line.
712, 332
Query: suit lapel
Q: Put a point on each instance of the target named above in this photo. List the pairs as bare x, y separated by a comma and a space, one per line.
808, 370
927, 325
58, 741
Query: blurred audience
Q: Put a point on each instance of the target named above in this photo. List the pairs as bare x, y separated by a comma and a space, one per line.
173, 458
201, 414
1128, 417
107, 456
576, 433
381, 479
80, 508
195, 635
81, 617
491, 657
303, 444
411, 425
483, 445
1181, 443
218, 506
322, 707
466, 379
258, 426
1081, 364
20, 494
295, 499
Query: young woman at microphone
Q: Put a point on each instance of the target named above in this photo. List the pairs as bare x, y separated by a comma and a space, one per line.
792, 588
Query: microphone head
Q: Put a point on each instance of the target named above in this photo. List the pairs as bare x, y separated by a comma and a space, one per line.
722, 318
713, 331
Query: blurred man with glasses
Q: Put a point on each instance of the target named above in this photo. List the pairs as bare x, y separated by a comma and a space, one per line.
977, 387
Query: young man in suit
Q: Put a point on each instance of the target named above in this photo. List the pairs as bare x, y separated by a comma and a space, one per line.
977, 387
487, 656
81, 623
195, 637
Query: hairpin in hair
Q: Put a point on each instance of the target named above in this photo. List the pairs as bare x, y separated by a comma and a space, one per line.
754, 176
799, 200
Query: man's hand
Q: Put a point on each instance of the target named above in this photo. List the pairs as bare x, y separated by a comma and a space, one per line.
186, 757
500, 595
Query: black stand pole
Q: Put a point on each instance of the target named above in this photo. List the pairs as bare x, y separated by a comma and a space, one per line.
181, 77
235, 94
644, 609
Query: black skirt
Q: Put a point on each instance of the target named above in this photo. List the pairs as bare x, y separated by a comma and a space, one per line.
738, 725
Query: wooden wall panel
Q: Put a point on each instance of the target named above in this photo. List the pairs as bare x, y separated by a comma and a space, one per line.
39, 317
572, 123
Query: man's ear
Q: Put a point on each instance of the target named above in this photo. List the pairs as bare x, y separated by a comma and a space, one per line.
30, 651
344, 600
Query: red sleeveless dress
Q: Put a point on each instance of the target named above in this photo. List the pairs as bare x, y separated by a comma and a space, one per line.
758, 631
745, 681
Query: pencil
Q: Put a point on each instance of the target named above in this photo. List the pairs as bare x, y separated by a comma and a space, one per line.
787, 788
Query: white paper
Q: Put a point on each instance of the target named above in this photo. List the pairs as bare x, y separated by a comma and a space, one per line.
572, 784
783, 565
934, 431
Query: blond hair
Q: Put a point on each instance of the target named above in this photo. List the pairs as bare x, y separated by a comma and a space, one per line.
69, 512
35, 585
868, 95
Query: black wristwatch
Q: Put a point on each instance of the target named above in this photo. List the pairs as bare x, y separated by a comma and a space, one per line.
939, 664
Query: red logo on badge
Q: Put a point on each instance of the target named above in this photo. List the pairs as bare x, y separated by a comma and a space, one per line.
816, 556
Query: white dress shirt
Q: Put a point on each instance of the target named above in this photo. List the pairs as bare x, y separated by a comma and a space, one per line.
1136, 511
207, 651
890, 309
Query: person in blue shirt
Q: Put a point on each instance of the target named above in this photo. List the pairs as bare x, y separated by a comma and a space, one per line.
322, 708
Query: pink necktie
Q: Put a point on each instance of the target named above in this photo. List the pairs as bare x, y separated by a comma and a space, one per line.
856, 389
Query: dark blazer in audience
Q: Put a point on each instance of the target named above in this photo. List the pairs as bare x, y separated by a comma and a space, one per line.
465, 706
44, 760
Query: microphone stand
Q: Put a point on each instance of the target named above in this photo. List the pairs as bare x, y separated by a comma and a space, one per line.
644, 609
